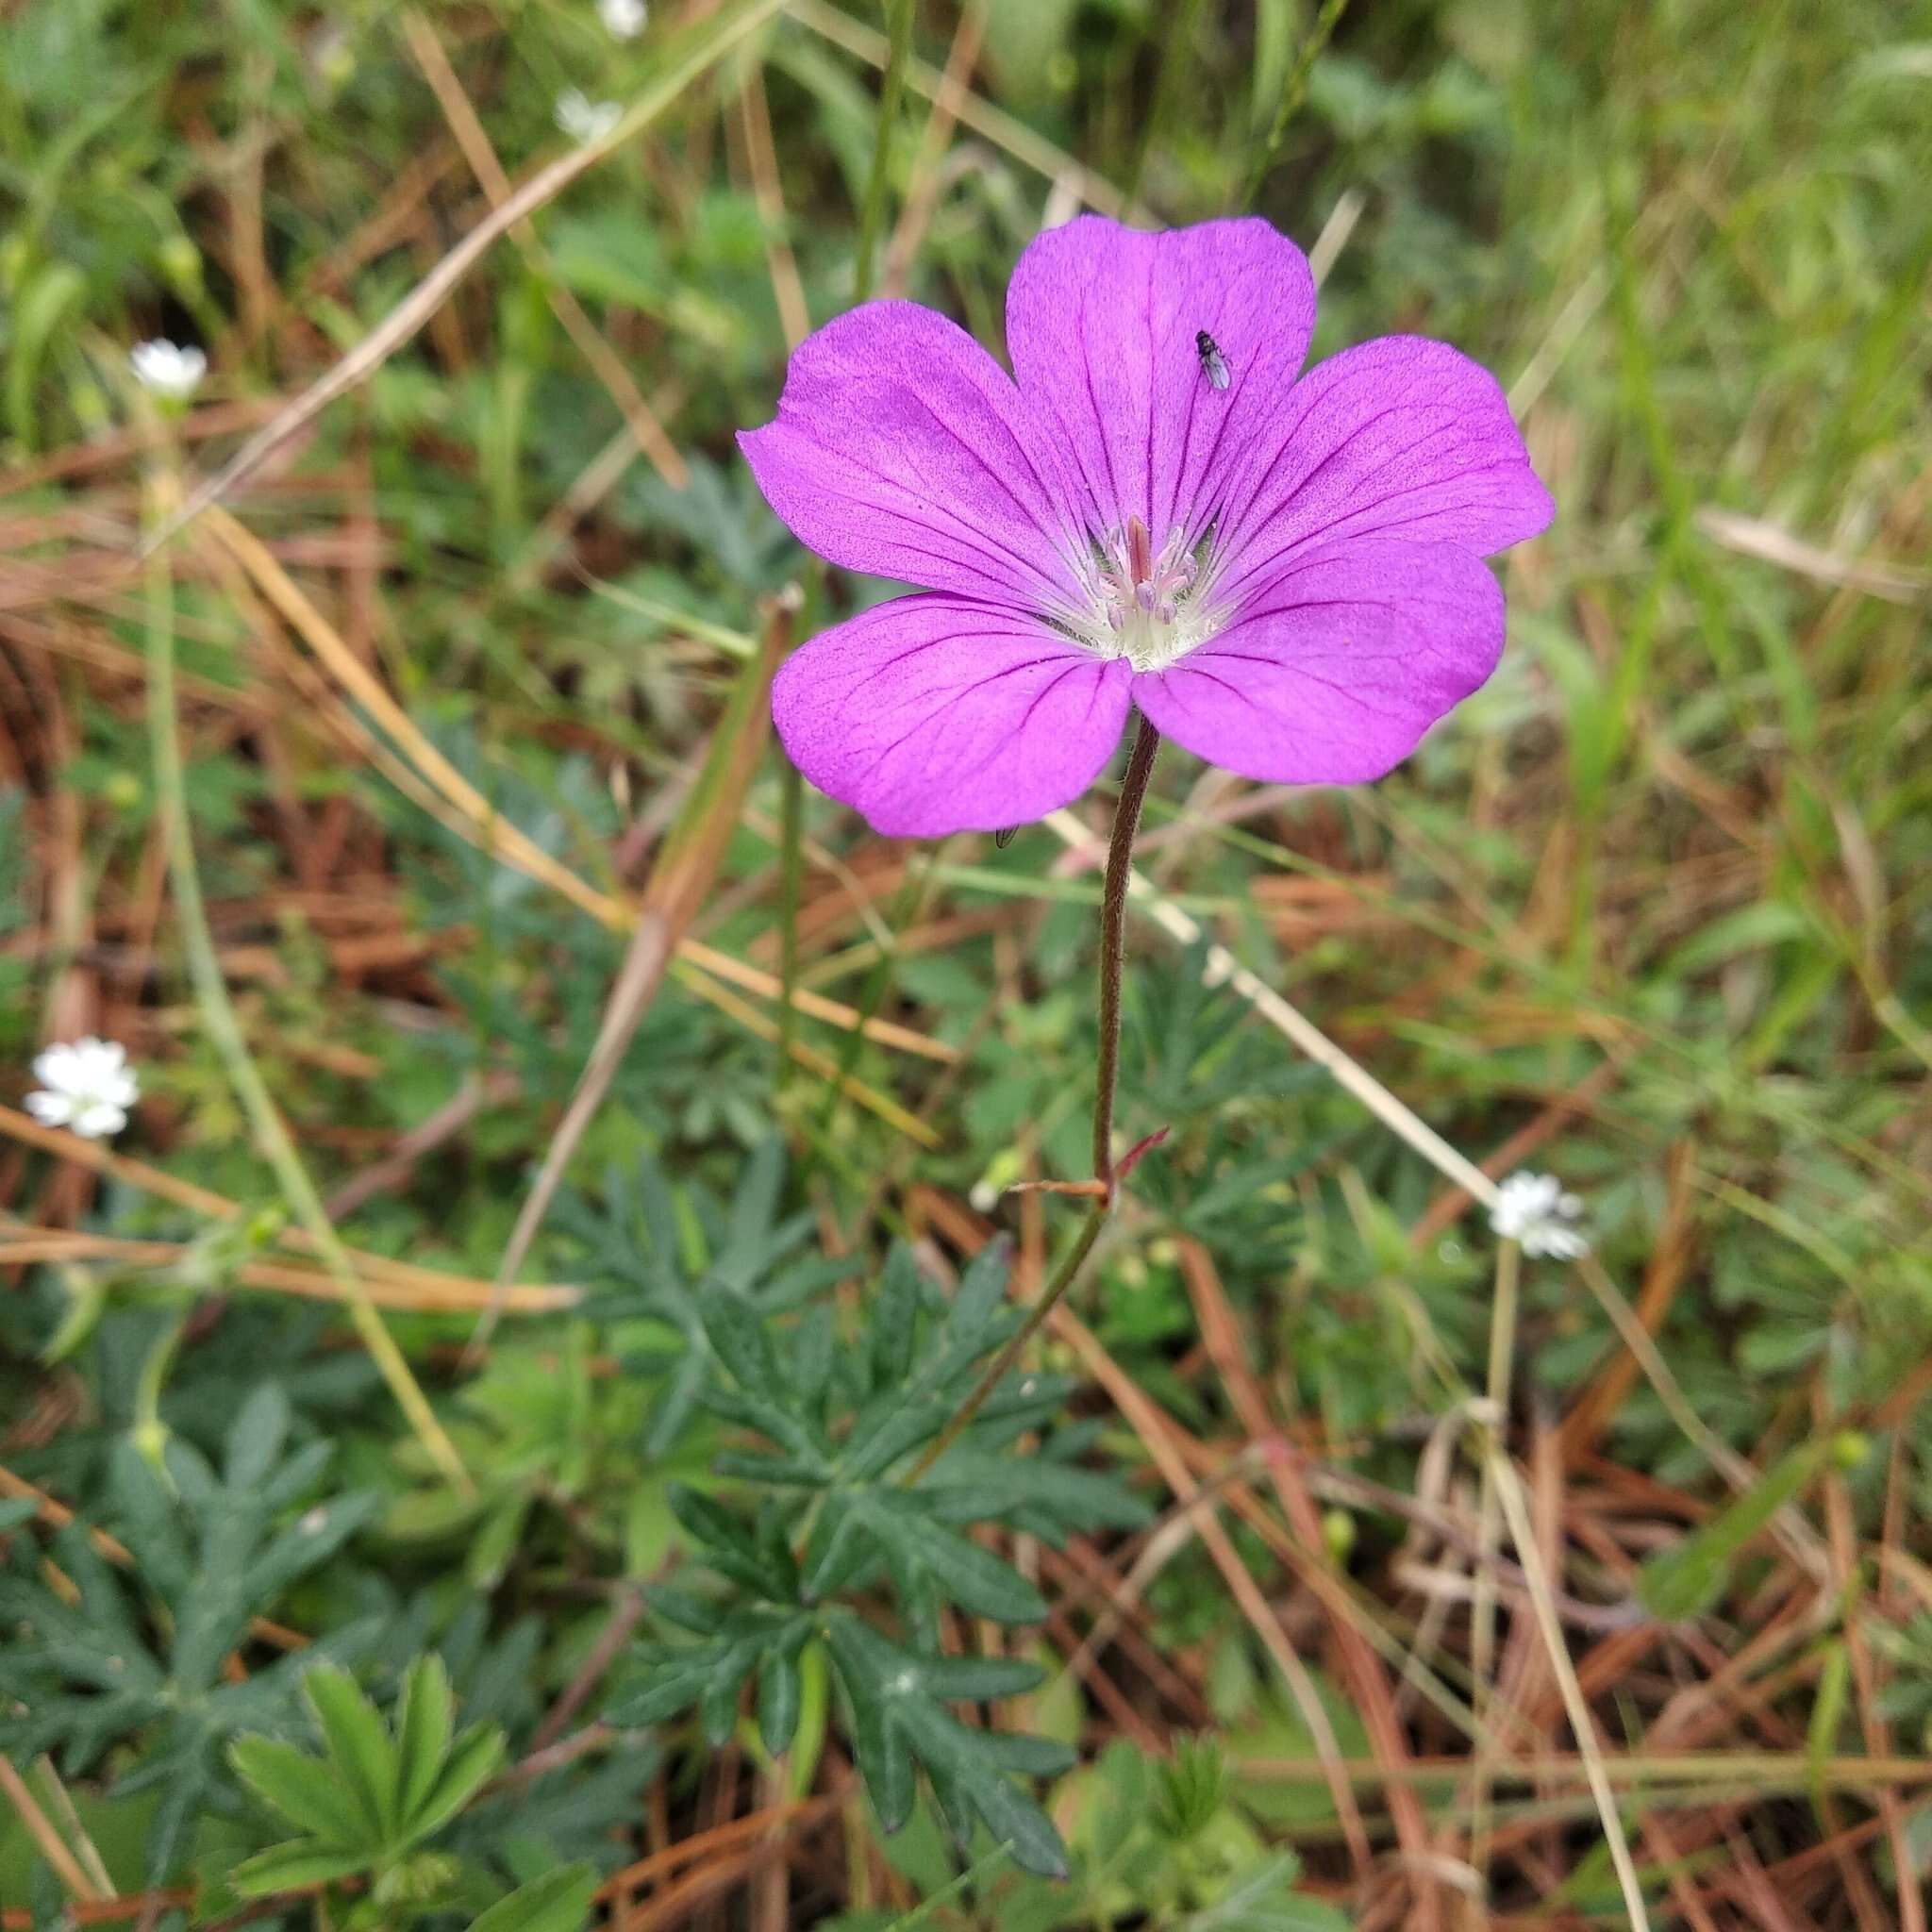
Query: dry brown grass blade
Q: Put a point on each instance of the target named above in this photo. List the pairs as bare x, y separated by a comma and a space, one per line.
146, 1906
1843, 1541
721, 1838
682, 875
167, 1187
486, 827
1221, 968
604, 362
1754, 536
911, 1126
971, 110
106, 1162
1670, 1262
768, 189
1147, 1422
53, 1847
921, 195
437, 1296
702, 46
480, 823
1543, 1599
1161, 1438
1360, 1666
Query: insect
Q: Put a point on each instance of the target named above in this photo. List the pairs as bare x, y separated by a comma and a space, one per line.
1003, 839
1213, 363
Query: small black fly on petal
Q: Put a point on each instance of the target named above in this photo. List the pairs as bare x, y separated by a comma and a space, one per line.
1004, 838
1213, 363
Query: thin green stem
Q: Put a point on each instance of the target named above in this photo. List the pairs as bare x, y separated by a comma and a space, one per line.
150, 1434
224, 1028
1292, 89
872, 217
1113, 927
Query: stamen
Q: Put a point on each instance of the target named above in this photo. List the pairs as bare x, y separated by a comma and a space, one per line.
1148, 609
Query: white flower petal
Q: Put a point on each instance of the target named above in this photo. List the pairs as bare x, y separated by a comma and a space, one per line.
585, 120
624, 20
1535, 1212
166, 368
50, 1109
86, 1085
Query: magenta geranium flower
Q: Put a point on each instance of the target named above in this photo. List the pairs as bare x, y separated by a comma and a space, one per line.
1284, 571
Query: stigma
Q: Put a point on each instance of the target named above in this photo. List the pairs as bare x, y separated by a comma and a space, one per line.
1149, 607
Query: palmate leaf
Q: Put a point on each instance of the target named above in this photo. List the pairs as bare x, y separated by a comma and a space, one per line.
841, 1415
373, 1795
473, 1760
666, 1680
139, 1654
918, 1552
360, 1756
283, 1868
898, 1700
666, 1263
425, 1720
305, 1792
556, 1902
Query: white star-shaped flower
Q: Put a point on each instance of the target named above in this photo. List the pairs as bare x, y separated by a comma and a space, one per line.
167, 369
624, 20
1533, 1210
585, 120
87, 1087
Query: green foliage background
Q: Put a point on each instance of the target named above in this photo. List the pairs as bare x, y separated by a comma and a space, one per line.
1672, 866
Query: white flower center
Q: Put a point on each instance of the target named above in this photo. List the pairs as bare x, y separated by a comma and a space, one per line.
1150, 609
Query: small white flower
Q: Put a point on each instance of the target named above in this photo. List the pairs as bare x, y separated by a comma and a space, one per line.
984, 1198
166, 368
624, 20
1533, 1210
585, 120
87, 1087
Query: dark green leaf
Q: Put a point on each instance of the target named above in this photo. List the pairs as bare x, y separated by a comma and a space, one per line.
306, 1790
424, 1724
288, 1868
473, 1762
358, 1746
560, 1901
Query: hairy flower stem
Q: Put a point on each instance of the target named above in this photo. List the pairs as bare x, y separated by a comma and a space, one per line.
224, 1028
1113, 929
1113, 944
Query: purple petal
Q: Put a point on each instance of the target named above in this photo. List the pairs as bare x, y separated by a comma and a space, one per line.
901, 449
1333, 672
1102, 323
1402, 437
931, 714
